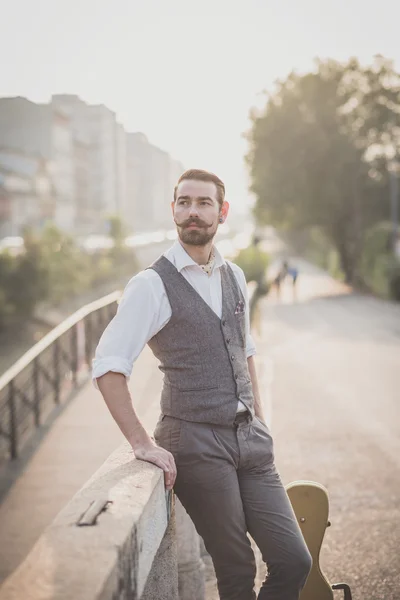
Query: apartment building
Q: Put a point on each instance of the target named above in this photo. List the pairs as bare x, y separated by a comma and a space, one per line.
43, 131
27, 197
97, 169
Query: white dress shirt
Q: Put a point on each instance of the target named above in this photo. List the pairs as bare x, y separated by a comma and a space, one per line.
144, 310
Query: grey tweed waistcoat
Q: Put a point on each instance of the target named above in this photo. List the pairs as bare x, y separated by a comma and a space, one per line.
203, 357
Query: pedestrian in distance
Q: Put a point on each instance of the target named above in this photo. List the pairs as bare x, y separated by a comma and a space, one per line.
293, 272
280, 278
285, 270
211, 440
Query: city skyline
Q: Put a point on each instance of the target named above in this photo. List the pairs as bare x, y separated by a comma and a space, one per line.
184, 74
74, 164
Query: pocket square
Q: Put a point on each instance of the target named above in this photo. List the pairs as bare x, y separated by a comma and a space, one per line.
239, 307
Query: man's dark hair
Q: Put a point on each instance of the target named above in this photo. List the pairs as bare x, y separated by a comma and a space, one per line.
200, 175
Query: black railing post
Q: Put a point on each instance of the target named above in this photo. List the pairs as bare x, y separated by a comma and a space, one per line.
56, 368
13, 421
45, 371
36, 392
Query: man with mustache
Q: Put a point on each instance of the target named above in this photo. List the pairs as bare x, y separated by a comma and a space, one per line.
211, 440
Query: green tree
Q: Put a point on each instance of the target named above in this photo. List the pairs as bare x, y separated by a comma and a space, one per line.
53, 268
31, 280
254, 263
24, 283
319, 151
122, 258
66, 267
7, 307
117, 230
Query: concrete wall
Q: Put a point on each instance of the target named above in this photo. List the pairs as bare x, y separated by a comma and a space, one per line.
45, 131
129, 551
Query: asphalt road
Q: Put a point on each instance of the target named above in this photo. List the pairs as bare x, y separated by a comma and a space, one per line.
334, 413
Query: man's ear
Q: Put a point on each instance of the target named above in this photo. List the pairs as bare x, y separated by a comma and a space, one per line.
224, 210
173, 206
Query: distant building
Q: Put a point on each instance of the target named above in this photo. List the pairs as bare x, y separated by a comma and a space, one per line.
103, 130
97, 169
26, 192
96, 126
121, 155
43, 131
82, 160
140, 210
151, 176
161, 193
175, 171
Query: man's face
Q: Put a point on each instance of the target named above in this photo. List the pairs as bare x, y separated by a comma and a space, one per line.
197, 211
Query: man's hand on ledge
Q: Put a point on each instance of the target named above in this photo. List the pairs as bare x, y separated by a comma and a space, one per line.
115, 392
149, 452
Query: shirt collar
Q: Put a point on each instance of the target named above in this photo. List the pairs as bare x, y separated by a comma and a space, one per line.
182, 258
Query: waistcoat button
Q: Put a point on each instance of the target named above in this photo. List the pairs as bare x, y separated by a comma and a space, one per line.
233, 357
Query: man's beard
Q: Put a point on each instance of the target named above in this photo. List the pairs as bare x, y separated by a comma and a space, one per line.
195, 237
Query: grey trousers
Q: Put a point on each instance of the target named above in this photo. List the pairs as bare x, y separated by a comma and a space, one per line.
228, 483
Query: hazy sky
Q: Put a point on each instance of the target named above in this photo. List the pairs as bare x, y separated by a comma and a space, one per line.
185, 73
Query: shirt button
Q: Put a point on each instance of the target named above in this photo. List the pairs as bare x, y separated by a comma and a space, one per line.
228, 341
233, 357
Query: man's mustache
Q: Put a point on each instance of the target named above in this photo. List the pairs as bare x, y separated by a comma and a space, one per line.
192, 222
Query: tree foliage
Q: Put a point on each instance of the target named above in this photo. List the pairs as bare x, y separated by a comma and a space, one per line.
64, 265
253, 262
120, 256
24, 283
319, 152
53, 269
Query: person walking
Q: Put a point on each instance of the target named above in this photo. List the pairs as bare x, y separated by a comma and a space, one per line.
211, 440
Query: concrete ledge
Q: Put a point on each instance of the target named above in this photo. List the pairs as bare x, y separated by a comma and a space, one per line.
111, 558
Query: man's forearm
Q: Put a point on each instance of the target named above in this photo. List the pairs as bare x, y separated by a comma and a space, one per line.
115, 392
116, 395
256, 391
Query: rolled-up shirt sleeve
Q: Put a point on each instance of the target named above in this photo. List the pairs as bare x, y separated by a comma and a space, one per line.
137, 320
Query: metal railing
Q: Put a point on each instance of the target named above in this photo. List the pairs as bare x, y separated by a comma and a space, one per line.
44, 377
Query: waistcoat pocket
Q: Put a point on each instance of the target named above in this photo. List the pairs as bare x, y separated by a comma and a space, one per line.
198, 389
